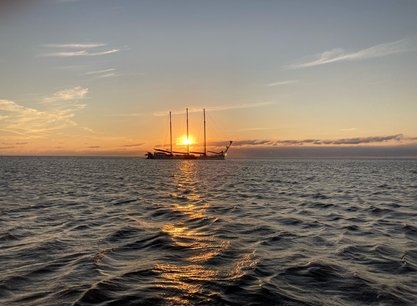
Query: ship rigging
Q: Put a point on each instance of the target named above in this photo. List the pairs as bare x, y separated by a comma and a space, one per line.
171, 154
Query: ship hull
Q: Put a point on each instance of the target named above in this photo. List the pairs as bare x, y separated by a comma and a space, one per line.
150, 155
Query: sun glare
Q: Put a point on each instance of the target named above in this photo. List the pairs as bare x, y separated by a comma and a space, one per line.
186, 141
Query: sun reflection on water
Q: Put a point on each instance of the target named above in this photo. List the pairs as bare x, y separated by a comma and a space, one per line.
185, 276
196, 260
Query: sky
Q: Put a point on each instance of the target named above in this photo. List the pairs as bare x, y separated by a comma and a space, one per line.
279, 78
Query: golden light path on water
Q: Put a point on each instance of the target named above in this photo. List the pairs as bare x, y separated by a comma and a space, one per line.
192, 272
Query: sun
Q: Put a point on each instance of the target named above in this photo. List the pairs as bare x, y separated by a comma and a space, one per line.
185, 141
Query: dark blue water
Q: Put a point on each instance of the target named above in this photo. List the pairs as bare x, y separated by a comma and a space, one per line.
125, 231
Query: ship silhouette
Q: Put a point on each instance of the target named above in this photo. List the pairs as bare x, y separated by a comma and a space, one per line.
205, 155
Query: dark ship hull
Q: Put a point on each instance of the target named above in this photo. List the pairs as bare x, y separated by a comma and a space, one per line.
161, 155
170, 154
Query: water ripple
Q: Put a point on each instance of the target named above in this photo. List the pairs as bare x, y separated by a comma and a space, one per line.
120, 231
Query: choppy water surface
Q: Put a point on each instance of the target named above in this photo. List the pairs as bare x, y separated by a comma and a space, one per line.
281, 232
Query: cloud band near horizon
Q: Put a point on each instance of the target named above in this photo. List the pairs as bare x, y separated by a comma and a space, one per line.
318, 142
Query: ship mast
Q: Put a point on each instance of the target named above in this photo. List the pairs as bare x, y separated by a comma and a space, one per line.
170, 132
188, 140
205, 139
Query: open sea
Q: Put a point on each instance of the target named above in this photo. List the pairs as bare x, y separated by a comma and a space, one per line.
129, 231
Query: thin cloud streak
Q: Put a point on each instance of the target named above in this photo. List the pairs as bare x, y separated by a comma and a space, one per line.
256, 129
215, 108
79, 53
132, 145
107, 75
197, 110
281, 83
100, 71
246, 142
340, 55
75, 46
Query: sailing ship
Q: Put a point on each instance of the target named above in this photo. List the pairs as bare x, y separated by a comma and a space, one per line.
170, 154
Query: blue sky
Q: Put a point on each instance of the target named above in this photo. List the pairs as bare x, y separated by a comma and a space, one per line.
94, 76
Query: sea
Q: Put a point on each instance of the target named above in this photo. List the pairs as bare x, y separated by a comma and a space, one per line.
130, 231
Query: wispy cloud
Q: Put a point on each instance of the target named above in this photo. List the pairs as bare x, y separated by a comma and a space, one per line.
19, 143
216, 108
132, 145
79, 53
340, 55
348, 130
256, 129
29, 122
87, 129
100, 71
77, 49
75, 93
107, 75
33, 123
281, 83
103, 73
76, 45
245, 142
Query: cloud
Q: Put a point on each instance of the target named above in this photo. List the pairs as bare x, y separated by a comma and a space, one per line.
247, 142
363, 140
340, 55
256, 129
376, 151
87, 129
93, 147
75, 46
281, 83
297, 142
79, 53
348, 130
75, 93
342, 141
132, 145
33, 123
315, 142
103, 74
216, 108
107, 75
25, 121
100, 71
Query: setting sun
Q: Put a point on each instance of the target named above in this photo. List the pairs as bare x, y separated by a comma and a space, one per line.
186, 141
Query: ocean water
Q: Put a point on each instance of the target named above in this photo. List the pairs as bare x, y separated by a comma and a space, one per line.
127, 231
